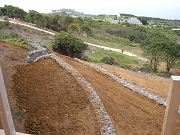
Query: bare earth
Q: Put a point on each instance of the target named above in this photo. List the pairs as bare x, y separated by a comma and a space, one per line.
52, 101
154, 84
10, 57
45, 99
44, 103
131, 113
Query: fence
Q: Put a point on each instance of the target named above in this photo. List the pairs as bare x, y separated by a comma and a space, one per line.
5, 112
172, 107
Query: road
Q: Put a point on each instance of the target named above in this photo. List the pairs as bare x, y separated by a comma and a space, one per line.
90, 44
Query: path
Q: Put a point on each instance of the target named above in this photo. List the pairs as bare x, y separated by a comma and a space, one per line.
90, 44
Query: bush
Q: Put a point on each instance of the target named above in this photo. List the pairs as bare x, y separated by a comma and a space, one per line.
69, 45
109, 60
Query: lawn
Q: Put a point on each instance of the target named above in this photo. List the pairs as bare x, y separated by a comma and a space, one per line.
122, 60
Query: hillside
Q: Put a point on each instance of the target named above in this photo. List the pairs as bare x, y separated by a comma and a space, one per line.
50, 93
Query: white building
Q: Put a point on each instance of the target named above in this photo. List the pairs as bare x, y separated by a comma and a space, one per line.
133, 20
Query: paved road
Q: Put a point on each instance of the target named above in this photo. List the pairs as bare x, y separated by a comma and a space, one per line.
90, 44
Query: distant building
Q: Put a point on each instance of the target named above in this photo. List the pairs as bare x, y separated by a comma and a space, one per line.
71, 12
134, 20
115, 21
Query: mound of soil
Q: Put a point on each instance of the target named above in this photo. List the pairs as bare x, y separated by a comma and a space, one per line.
131, 113
52, 102
154, 84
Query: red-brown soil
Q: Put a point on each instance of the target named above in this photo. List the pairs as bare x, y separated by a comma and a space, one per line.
154, 84
52, 102
11, 56
132, 114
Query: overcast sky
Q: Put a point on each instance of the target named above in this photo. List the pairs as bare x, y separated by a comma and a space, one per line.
156, 8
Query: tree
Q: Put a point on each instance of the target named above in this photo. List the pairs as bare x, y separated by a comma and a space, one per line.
32, 16
171, 53
161, 47
73, 28
13, 12
68, 45
79, 21
66, 22
87, 30
53, 22
143, 20
153, 47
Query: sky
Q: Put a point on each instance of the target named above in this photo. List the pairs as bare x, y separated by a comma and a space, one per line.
169, 9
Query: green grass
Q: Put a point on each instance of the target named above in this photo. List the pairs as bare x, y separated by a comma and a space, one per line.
101, 37
123, 60
13, 39
17, 42
131, 47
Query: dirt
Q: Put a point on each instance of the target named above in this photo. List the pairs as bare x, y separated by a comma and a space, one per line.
132, 114
52, 102
10, 57
154, 84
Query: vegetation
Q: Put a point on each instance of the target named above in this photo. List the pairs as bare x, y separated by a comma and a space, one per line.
160, 48
109, 60
158, 44
13, 12
12, 38
109, 57
68, 45
17, 42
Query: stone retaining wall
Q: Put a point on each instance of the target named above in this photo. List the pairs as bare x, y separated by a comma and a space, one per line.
127, 84
101, 114
100, 111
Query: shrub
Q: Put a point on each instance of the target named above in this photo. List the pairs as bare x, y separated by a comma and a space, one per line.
109, 60
68, 45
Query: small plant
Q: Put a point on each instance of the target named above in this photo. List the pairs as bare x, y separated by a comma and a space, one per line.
109, 60
17, 42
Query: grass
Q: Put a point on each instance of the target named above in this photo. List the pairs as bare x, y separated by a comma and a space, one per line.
130, 47
13, 39
100, 36
122, 60
17, 42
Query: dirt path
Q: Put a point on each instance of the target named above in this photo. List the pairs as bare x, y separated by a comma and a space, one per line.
10, 57
154, 84
131, 113
98, 46
52, 102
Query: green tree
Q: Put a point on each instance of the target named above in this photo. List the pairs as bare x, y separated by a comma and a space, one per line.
87, 30
13, 12
69, 45
153, 47
65, 22
53, 23
171, 53
32, 16
73, 28
79, 21
143, 20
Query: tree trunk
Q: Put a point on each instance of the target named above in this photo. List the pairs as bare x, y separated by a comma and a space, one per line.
168, 68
